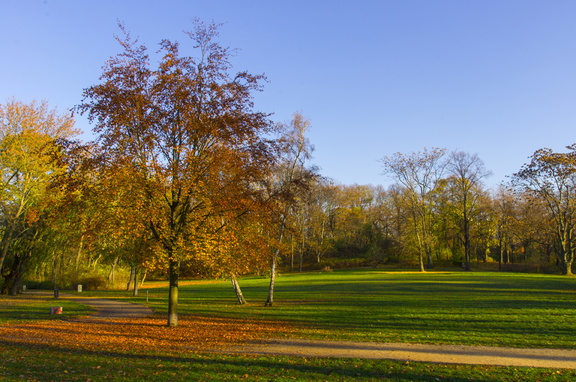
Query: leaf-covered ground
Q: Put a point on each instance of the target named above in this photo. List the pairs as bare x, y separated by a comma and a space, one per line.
145, 335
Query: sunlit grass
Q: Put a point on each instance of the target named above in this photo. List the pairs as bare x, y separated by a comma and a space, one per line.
33, 307
495, 309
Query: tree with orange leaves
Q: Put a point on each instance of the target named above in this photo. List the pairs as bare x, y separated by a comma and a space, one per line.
550, 178
184, 137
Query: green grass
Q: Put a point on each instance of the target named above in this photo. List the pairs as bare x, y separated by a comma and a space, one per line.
39, 364
459, 308
15, 310
493, 309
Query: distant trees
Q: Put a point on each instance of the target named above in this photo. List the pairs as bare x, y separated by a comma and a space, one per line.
550, 177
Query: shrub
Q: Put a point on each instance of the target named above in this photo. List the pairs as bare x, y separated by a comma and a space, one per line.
91, 282
39, 284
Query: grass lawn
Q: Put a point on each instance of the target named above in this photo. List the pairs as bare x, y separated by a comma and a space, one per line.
459, 308
493, 309
14, 310
42, 364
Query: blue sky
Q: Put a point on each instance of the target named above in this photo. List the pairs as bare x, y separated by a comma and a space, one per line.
496, 78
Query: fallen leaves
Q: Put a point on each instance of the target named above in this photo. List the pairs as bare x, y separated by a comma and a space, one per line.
194, 334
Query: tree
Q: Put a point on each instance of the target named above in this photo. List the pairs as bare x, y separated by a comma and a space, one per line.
288, 181
322, 213
467, 172
551, 178
30, 147
184, 137
418, 174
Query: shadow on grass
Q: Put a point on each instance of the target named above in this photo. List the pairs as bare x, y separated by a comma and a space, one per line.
47, 363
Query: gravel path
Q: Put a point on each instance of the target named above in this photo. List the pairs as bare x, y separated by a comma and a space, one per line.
474, 355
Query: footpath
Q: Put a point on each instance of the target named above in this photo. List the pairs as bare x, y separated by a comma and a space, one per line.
455, 354
105, 308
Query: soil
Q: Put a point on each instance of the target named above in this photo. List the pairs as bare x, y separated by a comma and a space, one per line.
455, 354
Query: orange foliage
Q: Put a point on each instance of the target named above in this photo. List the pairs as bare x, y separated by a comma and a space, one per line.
146, 335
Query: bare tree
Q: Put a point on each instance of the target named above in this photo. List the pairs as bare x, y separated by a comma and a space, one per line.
466, 174
418, 174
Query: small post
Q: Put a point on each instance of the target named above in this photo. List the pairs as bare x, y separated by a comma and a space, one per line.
79, 288
146, 295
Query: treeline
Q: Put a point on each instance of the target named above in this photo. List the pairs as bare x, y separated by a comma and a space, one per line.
186, 179
439, 213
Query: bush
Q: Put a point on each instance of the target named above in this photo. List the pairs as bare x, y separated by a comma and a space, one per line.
344, 263
39, 284
530, 268
91, 282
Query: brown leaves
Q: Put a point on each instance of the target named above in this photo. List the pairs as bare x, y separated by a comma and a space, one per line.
193, 334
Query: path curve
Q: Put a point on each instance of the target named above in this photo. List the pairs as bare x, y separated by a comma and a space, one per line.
105, 308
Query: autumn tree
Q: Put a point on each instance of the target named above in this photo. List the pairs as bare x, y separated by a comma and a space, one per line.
466, 174
183, 135
418, 174
30, 148
551, 178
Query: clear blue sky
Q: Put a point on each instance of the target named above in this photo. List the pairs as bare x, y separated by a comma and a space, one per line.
492, 77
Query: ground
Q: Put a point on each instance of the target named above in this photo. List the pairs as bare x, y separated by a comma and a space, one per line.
111, 310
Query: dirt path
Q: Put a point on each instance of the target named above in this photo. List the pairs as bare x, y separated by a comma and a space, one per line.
474, 355
105, 308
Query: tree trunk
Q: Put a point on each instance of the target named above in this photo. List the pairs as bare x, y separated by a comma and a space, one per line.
6, 240
237, 290
54, 274
143, 277
421, 248
421, 262
112, 274
501, 255
270, 299
135, 291
79, 254
292, 255
567, 265
131, 279
568, 271
429, 260
13, 282
174, 270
